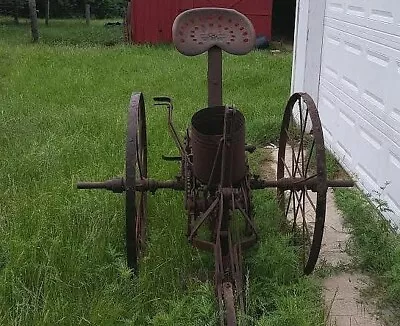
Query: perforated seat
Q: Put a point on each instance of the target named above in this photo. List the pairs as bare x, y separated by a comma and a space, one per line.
197, 30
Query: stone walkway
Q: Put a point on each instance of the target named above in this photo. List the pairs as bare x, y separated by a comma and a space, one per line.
342, 291
343, 302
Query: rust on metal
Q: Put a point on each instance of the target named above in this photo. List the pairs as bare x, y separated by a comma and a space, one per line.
198, 30
229, 303
298, 183
167, 102
214, 76
135, 169
216, 179
206, 135
301, 115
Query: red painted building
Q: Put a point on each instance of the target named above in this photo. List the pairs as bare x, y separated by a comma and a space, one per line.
150, 21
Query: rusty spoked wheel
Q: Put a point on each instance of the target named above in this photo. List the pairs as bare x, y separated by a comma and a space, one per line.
135, 169
302, 156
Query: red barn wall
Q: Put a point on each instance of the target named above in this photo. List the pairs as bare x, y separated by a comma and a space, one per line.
152, 19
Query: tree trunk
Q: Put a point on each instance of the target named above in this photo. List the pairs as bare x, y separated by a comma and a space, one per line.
47, 12
127, 21
34, 20
87, 13
16, 5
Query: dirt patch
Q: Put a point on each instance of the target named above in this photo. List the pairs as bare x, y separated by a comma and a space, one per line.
267, 168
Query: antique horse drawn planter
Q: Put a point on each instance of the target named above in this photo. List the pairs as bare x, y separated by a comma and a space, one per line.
214, 172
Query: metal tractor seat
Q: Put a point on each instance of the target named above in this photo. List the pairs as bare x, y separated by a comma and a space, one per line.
196, 31
199, 30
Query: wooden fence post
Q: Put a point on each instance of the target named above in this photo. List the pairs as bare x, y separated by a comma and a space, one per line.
34, 20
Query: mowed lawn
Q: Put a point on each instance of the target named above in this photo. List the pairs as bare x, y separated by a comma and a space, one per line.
63, 108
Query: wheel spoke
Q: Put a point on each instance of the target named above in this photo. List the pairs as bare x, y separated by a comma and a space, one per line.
286, 167
301, 135
295, 163
291, 140
304, 226
288, 205
299, 205
311, 201
301, 146
301, 114
138, 160
309, 157
294, 211
305, 218
291, 143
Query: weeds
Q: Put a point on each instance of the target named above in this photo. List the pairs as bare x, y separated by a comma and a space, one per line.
375, 247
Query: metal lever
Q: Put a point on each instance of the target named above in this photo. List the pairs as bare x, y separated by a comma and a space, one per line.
162, 99
171, 158
116, 185
165, 100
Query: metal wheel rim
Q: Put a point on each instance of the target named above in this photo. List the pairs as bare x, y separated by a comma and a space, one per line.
320, 174
135, 161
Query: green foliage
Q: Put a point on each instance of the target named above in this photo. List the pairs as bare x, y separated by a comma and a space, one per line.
72, 32
333, 167
74, 8
67, 8
108, 8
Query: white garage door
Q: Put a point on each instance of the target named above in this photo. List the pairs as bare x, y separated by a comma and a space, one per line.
356, 54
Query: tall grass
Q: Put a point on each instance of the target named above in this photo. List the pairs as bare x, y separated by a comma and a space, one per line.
63, 119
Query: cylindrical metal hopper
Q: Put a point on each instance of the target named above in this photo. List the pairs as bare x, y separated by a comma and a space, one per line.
206, 134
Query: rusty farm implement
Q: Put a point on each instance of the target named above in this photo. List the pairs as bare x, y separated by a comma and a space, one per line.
214, 173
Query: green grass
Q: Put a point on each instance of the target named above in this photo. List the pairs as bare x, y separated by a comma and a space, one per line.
63, 108
374, 244
375, 248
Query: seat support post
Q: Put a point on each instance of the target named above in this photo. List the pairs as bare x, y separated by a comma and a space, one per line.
214, 76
